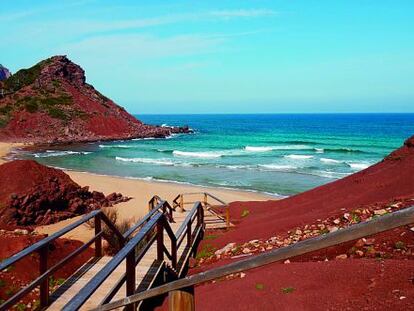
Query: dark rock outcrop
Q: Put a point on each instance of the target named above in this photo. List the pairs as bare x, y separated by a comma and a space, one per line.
4, 73
34, 194
52, 103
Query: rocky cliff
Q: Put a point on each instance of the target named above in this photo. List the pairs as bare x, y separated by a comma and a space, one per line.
4, 73
52, 103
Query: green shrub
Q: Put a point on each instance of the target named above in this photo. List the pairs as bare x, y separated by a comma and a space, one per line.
259, 286
57, 113
245, 213
288, 290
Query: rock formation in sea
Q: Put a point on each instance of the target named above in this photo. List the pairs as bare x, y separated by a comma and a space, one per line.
52, 103
34, 194
4, 73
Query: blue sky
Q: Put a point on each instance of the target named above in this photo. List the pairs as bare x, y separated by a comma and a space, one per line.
225, 56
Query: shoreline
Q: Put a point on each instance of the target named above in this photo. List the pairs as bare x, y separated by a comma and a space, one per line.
141, 191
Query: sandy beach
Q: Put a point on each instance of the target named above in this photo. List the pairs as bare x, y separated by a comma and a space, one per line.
6, 148
139, 190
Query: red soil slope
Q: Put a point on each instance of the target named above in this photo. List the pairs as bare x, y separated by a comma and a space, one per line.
34, 194
309, 282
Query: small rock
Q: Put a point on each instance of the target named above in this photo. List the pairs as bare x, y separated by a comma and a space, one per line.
412, 229
369, 242
360, 243
402, 297
287, 261
246, 250
242, 274
342, 256
380, 212
225, 249
359, 253
333, 229
337, 221
21, 231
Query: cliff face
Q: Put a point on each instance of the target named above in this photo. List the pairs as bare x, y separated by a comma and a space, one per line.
4, 73
51, 102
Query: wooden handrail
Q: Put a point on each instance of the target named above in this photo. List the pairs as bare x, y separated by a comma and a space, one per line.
387, 222
78, 300
158, 218
38, 245
42, 248
28, 288
205, 202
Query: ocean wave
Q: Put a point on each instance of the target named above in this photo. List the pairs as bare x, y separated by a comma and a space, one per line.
358, 166
330, 161
319, 150
235, 167
344, 150
117, 146
166, 162
328, 174
298, 156
272, 148
58, 153
276, 167
206, 154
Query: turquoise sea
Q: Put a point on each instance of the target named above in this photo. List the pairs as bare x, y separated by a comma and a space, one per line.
281, 154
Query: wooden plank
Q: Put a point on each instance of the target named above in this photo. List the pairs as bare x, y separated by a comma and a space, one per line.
380, 224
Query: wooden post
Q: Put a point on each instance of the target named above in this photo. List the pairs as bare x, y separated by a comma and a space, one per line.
181, 300
181, 203
160, 240
189, 233
44, 286
98, 241
205, 200
130, 277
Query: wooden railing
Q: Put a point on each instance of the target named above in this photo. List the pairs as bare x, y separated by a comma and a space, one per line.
180, 203
153, 228
175, 288
42, 249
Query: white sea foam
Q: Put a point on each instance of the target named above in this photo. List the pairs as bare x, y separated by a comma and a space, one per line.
59, 153
358, 166
206, 154
271, 148
117, 146
329, 174
166, 162
329, 161
277, 167
298, 156
319, 150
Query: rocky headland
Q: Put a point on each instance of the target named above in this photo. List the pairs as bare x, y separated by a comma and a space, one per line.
52, 103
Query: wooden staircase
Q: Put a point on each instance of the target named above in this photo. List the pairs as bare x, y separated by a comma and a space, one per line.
156, 250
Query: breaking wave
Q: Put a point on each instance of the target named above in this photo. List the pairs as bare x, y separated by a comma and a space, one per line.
298, 156
56, 153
